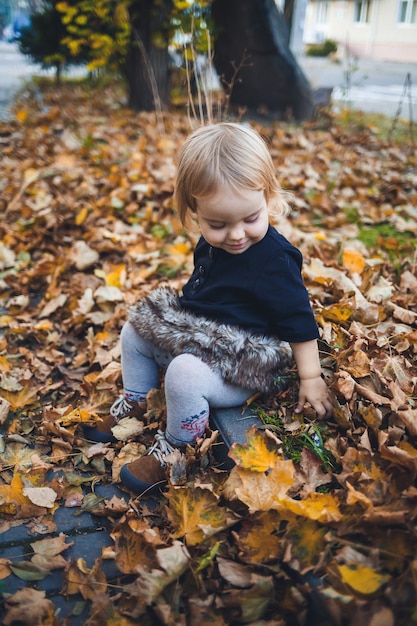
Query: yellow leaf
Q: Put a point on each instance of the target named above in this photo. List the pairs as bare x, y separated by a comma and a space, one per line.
44, 325
362, 578
353, 261
195, 514
30, 175
81, 216
22, 115
337, 313
75, 416
5, 320
260, 491
258, 454
322, 507
14, 502
117, 277
4, 364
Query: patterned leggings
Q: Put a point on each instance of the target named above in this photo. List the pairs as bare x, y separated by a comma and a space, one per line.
191, 386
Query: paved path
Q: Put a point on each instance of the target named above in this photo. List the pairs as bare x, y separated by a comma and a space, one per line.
371, 86
15, 70
89, 535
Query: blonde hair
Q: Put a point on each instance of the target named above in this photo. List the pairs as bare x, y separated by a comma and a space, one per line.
225, 154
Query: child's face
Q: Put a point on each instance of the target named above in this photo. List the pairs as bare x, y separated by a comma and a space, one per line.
233, 221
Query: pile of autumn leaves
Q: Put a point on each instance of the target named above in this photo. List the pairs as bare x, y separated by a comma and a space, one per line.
88, 227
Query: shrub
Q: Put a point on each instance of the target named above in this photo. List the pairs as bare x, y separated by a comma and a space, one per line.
322, 49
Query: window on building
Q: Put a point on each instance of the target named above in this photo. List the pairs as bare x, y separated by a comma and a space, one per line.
407, 12
362, 11
322, 12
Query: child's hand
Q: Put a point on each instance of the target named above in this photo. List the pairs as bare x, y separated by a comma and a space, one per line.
314, 391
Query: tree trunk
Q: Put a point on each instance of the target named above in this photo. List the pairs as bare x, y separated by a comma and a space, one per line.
147, 64
254, 62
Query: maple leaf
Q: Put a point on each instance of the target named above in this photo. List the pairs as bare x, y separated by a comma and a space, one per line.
258, 539
28, 396
313, 475
305, 544
259, 491
258, 454
196, 514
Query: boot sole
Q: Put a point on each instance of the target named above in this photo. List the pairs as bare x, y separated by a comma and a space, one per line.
97, 436
138, 486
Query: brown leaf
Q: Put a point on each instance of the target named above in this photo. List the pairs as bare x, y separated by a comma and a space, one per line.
78, 578
29, 607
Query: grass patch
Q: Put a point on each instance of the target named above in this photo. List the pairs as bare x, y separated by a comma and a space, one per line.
384, 236
310, 436
401, 133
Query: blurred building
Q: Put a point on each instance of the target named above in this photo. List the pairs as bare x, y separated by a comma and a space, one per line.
374, 29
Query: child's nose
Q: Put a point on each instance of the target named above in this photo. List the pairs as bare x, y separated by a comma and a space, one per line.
237, 232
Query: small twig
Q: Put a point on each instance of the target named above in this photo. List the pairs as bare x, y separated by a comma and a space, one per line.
152, 81
406, 92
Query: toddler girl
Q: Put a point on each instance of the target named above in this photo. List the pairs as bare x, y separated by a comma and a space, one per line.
241, 319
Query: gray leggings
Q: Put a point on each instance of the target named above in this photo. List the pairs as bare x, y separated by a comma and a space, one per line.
191, 386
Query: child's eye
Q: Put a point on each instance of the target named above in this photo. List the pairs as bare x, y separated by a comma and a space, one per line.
250, 220
216, 226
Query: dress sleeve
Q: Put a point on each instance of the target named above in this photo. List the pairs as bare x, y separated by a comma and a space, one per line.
281, 293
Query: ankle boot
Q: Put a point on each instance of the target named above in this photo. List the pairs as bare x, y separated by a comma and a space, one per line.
101, 432
148, 473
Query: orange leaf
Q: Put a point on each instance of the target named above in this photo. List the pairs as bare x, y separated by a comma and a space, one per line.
353, 261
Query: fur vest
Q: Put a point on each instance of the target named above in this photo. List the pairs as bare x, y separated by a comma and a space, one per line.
253, 361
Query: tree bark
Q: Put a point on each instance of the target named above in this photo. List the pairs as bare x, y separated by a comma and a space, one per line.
147, 64
254, 62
